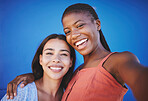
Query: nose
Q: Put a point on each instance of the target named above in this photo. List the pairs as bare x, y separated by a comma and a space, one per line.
75, 34
56, 59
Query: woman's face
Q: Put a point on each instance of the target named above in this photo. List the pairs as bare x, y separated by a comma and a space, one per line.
81, 32
55, 59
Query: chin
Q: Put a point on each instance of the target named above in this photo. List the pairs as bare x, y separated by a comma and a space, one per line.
57, 78
85, 52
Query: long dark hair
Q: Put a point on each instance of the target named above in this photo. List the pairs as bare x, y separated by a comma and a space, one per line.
37, 68
80, 8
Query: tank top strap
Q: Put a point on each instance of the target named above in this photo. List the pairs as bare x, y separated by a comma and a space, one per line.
104, 59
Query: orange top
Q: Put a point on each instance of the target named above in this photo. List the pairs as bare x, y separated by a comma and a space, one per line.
94, 84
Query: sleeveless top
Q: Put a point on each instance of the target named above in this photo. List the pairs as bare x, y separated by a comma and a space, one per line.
94, 84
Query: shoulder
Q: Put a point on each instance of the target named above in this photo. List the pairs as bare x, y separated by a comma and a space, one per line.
121, 62
24, 94
124, 57
126, 63
28, 87
119, 59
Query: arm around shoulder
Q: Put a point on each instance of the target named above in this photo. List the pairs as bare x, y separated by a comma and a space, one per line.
24, 79
134, 74
20, 96
28, 93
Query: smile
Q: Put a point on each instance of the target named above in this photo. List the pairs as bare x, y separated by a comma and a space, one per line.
55, 68
81, 44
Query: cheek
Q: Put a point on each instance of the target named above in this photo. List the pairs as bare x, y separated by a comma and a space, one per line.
46, 59
68, 39
66, 61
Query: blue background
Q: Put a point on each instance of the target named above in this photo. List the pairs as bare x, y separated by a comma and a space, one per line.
25, 23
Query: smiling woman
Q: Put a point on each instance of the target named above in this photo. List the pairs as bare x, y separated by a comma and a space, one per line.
103, 74
52, 66
55, 61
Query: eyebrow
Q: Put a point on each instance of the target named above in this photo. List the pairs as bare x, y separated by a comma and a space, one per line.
77, 21
49, 49
65, 50
74, 23
60, 50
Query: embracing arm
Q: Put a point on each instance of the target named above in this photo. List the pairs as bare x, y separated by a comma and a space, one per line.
133, 74
24, 79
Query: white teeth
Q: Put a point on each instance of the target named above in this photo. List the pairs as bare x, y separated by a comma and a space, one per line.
80, 42
55, 68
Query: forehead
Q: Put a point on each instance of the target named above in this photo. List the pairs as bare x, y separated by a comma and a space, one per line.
56, 44
74, 16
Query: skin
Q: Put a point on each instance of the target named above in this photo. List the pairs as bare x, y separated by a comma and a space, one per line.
124, 66
55, 62
57, 57
48, 87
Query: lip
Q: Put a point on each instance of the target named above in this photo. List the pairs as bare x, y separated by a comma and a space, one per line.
55, 68
81, 44
79, 41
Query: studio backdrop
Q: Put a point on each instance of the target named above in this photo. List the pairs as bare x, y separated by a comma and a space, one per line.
25, 23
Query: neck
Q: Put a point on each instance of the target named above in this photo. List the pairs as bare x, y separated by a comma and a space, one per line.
98, 53
49, 86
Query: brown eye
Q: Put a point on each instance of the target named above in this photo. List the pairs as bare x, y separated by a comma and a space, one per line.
49, 53
81, 25
64, 54
67, 32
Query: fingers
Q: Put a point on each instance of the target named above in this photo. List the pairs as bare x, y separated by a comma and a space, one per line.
12, 87
15, 89
28, 78
10, 94
24, 83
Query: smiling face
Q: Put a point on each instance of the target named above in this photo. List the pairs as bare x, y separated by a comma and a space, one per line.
81, 31
55, 59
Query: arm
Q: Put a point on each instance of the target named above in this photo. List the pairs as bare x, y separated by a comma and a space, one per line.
133, 74
28, 93
12, 86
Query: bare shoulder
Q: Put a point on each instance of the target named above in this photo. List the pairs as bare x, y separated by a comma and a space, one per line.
124, 61
124, 66
124, 57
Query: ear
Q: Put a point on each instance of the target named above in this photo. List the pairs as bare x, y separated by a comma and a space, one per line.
98, 24
40, 59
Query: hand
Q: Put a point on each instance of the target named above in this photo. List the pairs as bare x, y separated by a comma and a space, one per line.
12, 86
